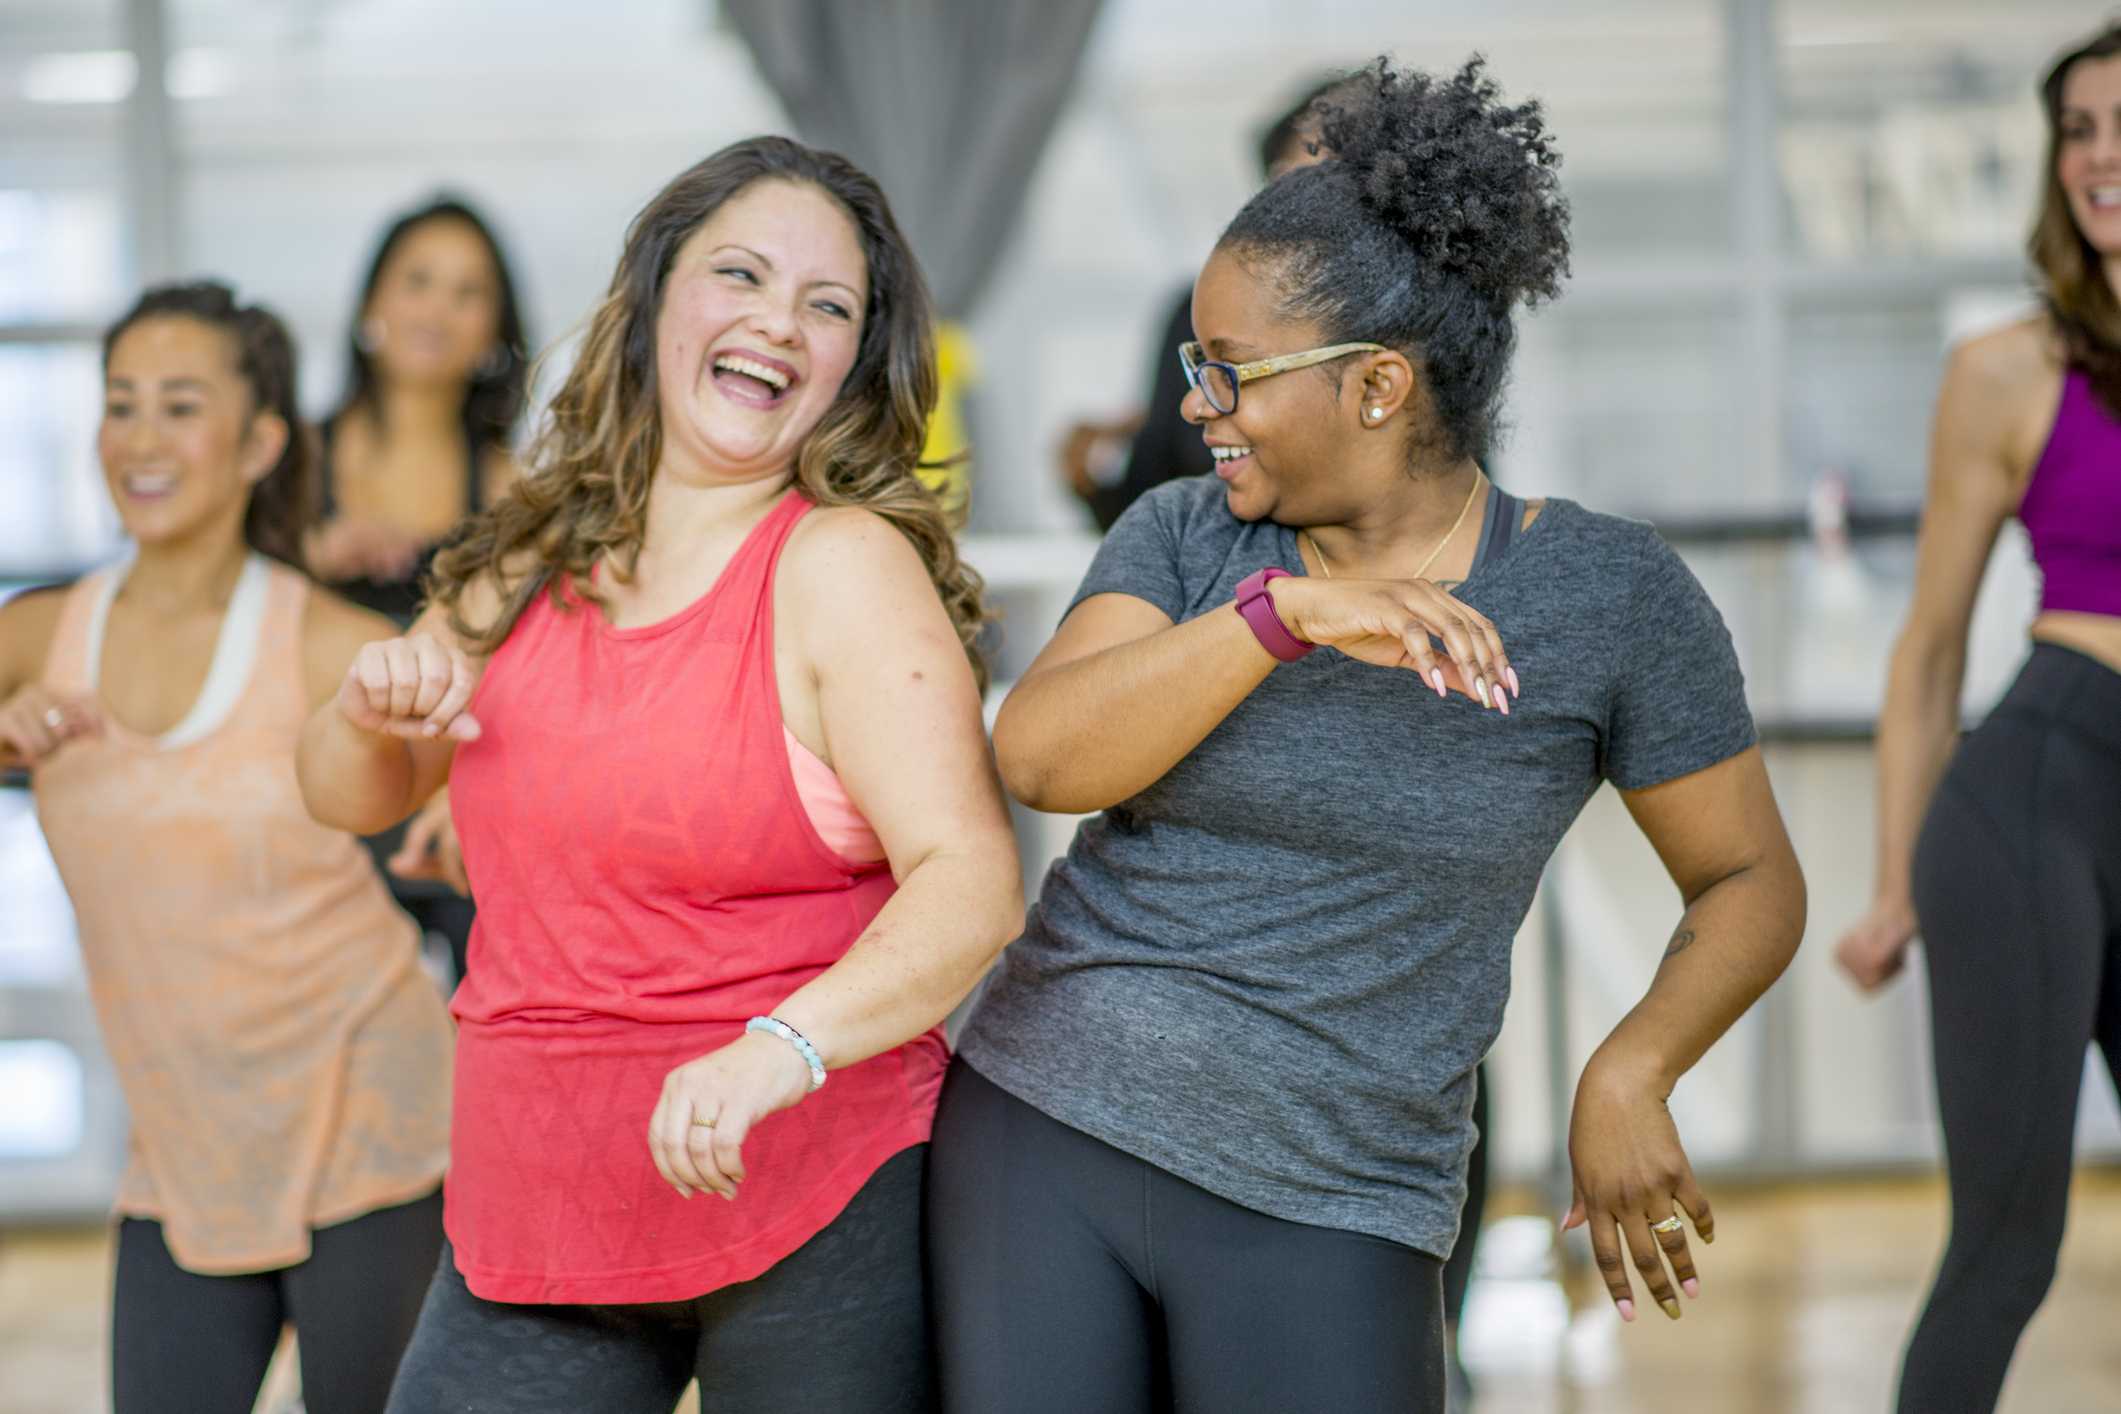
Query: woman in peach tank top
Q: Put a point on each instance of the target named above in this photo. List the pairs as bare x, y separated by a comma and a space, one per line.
285, 1059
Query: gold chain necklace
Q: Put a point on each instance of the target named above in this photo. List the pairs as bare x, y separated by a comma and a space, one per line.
1447, 536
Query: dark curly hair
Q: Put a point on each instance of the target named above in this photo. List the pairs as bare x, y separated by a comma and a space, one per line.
1439, 211
283, 502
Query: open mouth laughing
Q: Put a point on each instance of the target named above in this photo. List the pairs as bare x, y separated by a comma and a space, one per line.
753, 380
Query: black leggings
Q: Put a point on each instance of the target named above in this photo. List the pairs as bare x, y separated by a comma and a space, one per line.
2017, 883
1072, 1278
839, 1326
186, 1343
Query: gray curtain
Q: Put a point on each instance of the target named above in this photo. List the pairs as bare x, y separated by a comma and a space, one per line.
947, 103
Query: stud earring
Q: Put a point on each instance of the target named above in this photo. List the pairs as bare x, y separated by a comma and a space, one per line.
1376, 413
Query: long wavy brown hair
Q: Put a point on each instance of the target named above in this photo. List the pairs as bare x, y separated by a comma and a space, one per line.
584, 493
2080, 300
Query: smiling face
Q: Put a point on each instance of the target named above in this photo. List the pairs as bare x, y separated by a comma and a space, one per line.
2088, 150
436, 306
760, 323
1312, 446
181, 442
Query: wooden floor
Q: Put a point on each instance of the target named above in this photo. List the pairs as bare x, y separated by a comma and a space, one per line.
1807, 1297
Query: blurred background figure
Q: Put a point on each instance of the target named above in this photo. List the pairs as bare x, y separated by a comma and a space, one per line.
436, 367
1110, 464
286, 1059
2005, 850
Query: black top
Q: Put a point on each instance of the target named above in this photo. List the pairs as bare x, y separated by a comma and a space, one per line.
396, 599
1168, 446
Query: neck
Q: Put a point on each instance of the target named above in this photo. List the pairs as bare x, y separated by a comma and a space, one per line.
682, 513
191, 575
1389, 537
417, 410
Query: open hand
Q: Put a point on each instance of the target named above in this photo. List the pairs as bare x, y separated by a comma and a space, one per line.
1875, 949
431, 849
413, 687
696, 1135
35, 720
1389, 622
1631, 1174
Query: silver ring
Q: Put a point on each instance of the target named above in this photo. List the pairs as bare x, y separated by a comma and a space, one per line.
54, 718
1670, 1224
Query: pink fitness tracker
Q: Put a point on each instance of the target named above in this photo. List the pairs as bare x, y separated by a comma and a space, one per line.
1257, 606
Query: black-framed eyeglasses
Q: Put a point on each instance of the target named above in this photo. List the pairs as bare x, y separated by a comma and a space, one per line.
1219, 382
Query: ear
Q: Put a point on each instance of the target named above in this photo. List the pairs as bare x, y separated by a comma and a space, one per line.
263, 444
1385, 384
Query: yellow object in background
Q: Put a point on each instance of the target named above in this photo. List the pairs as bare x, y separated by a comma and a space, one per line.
946, 459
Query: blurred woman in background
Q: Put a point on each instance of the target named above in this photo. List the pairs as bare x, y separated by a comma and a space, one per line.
705, 687
2004, 852
285, 1061
436, 370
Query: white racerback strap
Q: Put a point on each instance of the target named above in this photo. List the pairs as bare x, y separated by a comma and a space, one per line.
235, 649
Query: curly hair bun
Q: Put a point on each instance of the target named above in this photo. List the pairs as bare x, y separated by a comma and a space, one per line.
1468, 181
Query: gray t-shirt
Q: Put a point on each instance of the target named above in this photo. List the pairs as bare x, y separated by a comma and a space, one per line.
1273, 971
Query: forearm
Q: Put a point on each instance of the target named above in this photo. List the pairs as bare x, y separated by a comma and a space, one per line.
353, 780
922, 954
1731, 944
1090, 733
1918, 729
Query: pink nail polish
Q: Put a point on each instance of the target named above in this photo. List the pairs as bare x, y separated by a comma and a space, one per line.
1627, 1309
1692, 1287
1514, 688
1436, 681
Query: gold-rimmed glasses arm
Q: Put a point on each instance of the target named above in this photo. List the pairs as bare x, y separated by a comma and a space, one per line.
1246, 372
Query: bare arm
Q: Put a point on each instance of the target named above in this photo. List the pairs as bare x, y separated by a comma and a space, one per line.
898, 712
381, 744
1121, 694
1722, 840
1978, 458
33, 718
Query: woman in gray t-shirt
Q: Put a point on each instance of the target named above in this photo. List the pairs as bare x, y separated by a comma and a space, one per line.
1205, 1143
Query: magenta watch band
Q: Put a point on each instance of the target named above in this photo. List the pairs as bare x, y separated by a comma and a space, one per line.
1257, 606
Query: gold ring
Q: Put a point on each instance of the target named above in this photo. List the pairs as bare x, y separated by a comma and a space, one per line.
703, 1123
1670, 1224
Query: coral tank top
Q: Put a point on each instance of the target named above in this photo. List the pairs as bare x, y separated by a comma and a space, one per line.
285, 1060
2072, 506
648, 880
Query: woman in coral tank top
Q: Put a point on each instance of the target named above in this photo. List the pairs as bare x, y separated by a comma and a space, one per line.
704, 691
284, 1057
2005, 848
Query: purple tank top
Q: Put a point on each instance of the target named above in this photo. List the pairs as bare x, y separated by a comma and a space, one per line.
2072, 507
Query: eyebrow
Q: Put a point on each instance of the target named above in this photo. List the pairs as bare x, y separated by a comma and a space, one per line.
1231, 348
189, 384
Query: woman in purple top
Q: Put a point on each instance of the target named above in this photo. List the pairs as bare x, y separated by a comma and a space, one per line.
2005, 854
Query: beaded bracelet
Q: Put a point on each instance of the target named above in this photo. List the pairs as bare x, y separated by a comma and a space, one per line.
794, 1038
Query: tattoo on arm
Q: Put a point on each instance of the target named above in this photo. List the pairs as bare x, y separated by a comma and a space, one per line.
1681, 941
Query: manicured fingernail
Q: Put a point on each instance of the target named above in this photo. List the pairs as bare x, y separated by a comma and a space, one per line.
1502, 700
1669, 1305
1692, 1288
1514, 688
1627, 1309
1709, 1236
1436, 681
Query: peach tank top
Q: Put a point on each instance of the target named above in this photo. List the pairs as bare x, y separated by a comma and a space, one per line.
285, 1059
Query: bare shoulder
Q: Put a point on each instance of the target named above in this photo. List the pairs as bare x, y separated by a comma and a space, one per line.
2017, 359
837, 548
28, 623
